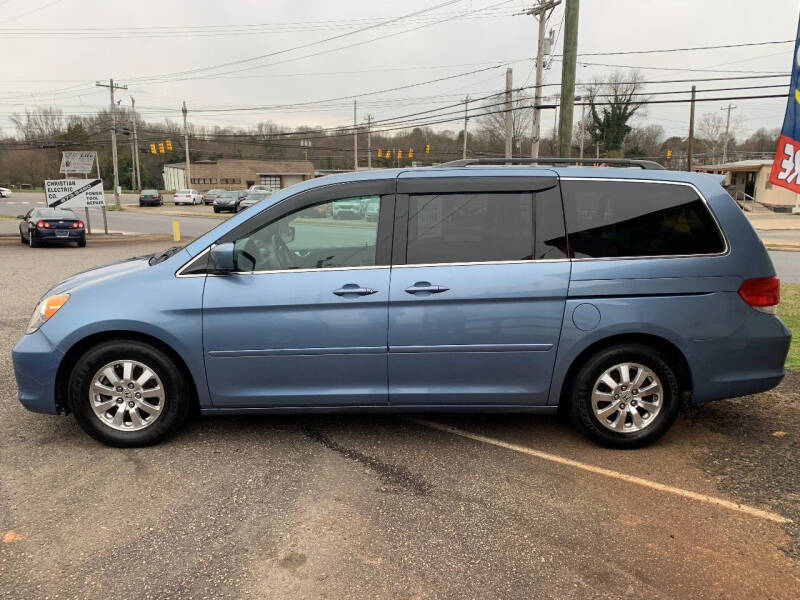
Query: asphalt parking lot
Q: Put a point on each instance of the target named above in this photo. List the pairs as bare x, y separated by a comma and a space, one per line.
356, 506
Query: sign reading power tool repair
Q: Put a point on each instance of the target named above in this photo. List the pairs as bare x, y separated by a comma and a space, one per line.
74, 193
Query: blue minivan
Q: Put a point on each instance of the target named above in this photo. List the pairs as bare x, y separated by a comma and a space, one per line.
613, 294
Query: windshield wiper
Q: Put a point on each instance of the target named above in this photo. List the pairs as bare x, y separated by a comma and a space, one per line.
164, 255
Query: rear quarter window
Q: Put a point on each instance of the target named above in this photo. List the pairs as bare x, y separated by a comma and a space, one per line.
617, 219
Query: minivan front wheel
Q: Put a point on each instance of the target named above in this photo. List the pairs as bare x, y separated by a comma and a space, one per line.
127, 393
626, 396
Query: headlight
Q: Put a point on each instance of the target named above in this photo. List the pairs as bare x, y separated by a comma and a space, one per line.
46, 309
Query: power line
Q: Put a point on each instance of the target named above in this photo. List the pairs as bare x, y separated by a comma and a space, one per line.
172, 32
298, 47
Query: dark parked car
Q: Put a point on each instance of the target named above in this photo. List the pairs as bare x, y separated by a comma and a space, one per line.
252, 198
211, 195
51, 225
229, 201
150, 198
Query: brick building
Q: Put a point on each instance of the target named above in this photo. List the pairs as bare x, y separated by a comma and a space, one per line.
237, 174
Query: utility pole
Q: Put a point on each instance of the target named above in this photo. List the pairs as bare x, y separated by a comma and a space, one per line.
111, 86
728, 108
136, 147
541, 12
557, 98
355, 137
188, 170
570, 57
509, 116
691, 132
583, 118
369, 141
466, 107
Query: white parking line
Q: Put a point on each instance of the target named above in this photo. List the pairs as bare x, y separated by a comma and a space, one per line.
742, 508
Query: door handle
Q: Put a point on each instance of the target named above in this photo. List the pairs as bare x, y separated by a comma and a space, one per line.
425, 287
353, 289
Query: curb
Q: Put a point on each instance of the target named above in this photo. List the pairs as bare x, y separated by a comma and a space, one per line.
176, 213
781, 247
119, 238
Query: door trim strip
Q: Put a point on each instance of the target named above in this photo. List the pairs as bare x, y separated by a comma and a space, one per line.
471, 348
296, 352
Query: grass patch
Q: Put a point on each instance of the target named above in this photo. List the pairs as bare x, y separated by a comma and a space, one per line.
789, 312
115, 208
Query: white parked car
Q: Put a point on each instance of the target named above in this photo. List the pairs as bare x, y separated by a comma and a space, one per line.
5, 192
187, 197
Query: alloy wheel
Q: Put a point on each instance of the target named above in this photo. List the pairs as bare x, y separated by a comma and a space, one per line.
127, 395
627, 397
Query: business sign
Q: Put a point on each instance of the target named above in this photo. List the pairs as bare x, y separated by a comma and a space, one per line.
786, 165
74, 193
77, 162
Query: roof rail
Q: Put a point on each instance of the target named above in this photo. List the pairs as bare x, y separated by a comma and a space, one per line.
566, 162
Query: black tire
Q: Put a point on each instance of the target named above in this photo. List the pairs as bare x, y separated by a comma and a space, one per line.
580, 402
216, 210
32, 242
82, 243
176, 401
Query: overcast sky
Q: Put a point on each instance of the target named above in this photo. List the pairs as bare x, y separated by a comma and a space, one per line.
54, 51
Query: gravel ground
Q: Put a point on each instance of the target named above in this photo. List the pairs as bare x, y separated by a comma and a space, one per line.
755, 454
360, 506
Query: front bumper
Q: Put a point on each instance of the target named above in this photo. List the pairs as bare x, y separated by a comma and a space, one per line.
36, 363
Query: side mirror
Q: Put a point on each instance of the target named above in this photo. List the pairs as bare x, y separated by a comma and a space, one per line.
222, 257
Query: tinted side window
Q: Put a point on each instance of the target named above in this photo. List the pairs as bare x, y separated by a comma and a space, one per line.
612, 219
551, 240
469, 227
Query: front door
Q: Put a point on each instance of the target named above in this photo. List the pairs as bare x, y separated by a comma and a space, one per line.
303, 321
478, 290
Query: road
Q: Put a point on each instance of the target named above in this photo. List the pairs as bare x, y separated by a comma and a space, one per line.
360, 506
787, 264
127, 221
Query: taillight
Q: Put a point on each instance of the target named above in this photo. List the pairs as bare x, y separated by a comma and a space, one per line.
77, 225
141, 197
762, 293
42, 225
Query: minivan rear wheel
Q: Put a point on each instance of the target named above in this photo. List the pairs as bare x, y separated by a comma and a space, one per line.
626, 396
127, 393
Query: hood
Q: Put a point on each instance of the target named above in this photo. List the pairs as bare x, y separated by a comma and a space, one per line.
103, 273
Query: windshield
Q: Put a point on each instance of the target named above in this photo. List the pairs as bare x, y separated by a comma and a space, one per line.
55, 213
229, 194
184, 192
257, 196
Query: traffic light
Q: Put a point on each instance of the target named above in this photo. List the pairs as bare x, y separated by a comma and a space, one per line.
152, 148
380, 153
427, 148
669, 153
169, 145
410, 153
161, 147
399, 154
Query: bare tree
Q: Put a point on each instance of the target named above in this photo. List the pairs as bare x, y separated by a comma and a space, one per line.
492, 121
39, 123
711, 130
644, 141
612, 105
